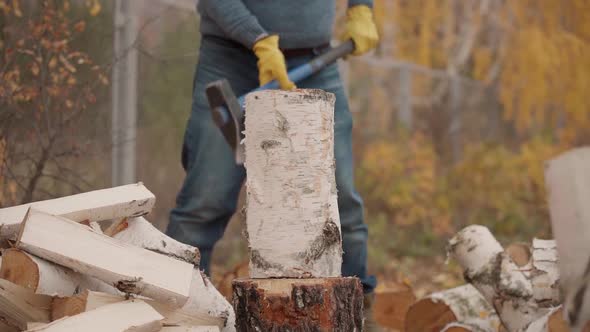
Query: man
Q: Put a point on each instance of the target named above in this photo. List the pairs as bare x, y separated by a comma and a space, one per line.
251, 42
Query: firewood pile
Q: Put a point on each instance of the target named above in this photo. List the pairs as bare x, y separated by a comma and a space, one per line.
541, 286
92, 262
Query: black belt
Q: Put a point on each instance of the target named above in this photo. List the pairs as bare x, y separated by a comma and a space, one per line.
297, 52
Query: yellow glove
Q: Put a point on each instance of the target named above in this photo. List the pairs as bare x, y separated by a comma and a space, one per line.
271, 62
360, 27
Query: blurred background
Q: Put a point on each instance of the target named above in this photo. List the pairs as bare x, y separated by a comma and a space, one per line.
455, 112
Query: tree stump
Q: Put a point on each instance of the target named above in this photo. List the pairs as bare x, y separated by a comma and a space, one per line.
325, 304
292, 220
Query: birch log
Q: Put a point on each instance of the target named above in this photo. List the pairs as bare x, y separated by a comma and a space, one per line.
90, 300
44, 277
553, 321
133, 315
567, 178
392, 302
123, 201
19, 305
131, 269
141, 233
474, 325
496, 276
326, 304
190, 329
292, 219
462, 304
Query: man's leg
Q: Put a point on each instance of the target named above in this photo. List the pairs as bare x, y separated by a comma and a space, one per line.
350, 204
209, 194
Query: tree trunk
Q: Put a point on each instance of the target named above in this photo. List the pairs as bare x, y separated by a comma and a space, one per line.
567, 178
131, 269
457, 305
98, 205
292, 219
141, 233
134, 315
44, 277
326, 304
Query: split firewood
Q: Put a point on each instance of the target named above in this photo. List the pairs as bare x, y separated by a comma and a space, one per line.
473, 325
325, 304
89, 300
129, 200
19, 305
141, 233
462, 304
292, 220
43, 277
391, 305
134, 315
553, 321
131, 269
501, 282
95, 226
567, 178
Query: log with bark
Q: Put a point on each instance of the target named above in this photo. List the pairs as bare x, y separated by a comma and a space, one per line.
90, 300
131, 269
460, 307
98, 205
292, 220
43, 277
141, 233
392, 302
501, 282
132, 315
19, 305
567, 178
324, 304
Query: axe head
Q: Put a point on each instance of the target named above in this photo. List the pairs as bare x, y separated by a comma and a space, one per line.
227, 115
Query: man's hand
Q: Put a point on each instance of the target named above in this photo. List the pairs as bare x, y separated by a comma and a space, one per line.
360, 27
271, 62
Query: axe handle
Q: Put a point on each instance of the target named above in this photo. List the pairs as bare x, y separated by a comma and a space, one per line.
316, 64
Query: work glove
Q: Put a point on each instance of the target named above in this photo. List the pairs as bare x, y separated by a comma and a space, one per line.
271, 62
360, 27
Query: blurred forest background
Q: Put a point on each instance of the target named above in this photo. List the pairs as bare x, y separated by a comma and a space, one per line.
455, 112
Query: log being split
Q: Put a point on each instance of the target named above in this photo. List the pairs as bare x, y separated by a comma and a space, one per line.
98, 205
141, 233
89, 300
292, 219
131, 269
326, 304
44, 277
133, 315
19, 305
463, 305
500, 281
567, 178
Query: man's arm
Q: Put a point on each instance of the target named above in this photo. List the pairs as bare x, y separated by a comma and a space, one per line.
235, 20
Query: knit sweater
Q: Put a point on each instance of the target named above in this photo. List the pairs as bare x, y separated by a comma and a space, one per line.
299, 23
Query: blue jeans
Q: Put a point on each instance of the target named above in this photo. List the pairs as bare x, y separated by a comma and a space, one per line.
209, 195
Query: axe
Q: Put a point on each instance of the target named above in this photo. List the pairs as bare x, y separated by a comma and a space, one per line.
228, 111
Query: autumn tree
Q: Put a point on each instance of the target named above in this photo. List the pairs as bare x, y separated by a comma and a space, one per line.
46, 87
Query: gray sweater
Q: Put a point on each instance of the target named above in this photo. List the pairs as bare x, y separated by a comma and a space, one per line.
299, 23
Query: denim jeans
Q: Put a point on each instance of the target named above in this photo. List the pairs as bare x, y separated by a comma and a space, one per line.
209, 194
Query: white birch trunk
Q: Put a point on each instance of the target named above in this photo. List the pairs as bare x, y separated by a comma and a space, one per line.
141, 233
567, 178
496, 276
134, 315
123, 201
292, 219
544, 275
44, 277
461, 304
129, 268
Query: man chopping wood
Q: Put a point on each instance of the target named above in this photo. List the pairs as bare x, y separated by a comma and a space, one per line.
250, 43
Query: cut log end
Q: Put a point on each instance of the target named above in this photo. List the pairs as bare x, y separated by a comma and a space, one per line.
392, 304
18, 268
327, 304
428, 315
